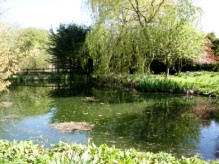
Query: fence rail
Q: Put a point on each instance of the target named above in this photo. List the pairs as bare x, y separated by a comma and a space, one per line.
47, 70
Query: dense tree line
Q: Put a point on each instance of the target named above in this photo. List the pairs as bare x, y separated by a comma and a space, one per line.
127, 36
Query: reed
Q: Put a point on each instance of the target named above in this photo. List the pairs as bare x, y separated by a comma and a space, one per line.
162, 85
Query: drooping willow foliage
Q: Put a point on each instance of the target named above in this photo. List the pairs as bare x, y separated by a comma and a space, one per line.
129, 34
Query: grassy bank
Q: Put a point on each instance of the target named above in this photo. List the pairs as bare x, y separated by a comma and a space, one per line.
202, 83
207, 83
27, 152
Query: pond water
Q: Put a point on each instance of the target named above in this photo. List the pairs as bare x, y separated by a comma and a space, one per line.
125, 118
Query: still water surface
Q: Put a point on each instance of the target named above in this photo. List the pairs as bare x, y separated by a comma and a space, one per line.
122, 117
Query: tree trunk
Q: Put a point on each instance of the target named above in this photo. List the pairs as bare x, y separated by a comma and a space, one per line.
167, 70
71, 70
148, 68
179, 67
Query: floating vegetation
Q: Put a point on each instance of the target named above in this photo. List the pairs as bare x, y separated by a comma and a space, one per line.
11, 116
72, 126
6, 104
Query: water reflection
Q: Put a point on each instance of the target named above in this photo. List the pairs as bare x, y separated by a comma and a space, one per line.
122, 117
209, 140
27, 101
165, 125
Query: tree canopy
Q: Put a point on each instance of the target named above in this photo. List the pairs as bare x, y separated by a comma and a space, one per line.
129, 34
19, 49
66, 44
33, 44
215, 42
9, 56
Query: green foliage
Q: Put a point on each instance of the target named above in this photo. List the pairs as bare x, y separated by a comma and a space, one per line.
21, 48
211, 36
38, 77
205, 82
215, 42
33, 45
66, 46
216, 46
128, 38
179, 39
9, 54
27, 152
148, 84
203, 67
180, 83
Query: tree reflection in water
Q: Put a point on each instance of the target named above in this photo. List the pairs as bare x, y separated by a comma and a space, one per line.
126, 119
168, 125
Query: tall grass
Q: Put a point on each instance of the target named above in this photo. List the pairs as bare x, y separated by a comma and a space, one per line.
162, 85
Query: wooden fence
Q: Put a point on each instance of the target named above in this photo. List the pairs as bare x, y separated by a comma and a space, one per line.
46, 70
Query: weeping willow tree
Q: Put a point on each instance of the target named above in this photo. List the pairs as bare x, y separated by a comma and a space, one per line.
178, 35
129, 34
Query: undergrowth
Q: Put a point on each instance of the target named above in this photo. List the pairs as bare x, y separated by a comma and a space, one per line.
28, 152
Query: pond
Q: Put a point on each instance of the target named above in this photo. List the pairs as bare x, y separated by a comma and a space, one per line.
125, 118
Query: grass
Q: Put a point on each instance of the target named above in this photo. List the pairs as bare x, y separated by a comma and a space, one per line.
205, 82
28, 152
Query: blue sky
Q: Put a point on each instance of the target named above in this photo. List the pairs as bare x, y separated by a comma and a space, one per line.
50, 13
